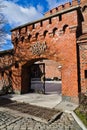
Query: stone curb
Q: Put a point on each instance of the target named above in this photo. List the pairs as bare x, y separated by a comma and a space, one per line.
80, 123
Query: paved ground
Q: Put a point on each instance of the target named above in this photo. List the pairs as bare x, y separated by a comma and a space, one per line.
10, 120
47, 100
51, 99
16, 120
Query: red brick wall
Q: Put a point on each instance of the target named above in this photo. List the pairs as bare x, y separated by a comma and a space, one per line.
58, 31
82, 43
4, 80
83, 66
60, 47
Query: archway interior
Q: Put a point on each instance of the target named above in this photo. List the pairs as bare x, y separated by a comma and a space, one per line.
45, 77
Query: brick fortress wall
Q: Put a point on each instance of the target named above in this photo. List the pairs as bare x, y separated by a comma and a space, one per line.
55, 34
6, 61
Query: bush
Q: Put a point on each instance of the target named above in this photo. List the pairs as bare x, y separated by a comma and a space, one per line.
6, 90
81, 111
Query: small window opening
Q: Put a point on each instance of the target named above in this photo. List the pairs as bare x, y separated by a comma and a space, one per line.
85, 73
26, 28
45, 33
29, 37
60, 17
37, 34
50, 11
56, 9
50, 21
16, 65
54, 31
2, 74
33, 26
22, 38
41, 23
10, 73
64, 27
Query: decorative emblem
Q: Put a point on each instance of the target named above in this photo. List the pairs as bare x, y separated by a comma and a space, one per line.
39, 48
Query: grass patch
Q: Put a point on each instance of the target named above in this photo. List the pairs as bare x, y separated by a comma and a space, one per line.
81, 115
81, 111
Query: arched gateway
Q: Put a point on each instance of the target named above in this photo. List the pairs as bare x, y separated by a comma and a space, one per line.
54, 37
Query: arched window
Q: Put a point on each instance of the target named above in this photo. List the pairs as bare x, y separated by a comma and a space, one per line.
54, 31
37, 34
45, 33
16, 64
2, 74
50, 11
16, 40
29, 37
56, 8
22, 38
64, 27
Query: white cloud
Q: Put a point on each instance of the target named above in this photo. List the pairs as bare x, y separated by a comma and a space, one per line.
6, 43
17, 15
8, 37
52, 3
40, 8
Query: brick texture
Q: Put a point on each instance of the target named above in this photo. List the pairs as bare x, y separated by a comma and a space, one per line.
59, 34
60, 37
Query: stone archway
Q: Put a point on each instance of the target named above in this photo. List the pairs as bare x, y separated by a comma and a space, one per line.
42, 76
57, 51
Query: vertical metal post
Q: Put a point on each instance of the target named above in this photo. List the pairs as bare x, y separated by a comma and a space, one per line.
44, 77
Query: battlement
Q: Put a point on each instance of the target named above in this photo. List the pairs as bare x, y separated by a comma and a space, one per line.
55, 18
62, 7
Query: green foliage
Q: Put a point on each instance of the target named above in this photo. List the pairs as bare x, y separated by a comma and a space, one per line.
6, 90
81, 111
82, 116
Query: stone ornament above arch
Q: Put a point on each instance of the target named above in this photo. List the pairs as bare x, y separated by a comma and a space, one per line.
38, 48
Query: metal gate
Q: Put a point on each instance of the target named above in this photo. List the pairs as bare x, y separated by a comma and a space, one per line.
38, 78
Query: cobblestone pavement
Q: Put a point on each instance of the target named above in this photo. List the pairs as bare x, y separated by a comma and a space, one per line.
11, 121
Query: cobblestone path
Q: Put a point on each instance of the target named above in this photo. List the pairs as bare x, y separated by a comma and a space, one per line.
12, 121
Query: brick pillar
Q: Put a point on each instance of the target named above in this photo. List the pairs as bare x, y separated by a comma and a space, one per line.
69, 69
70, 83
16, 79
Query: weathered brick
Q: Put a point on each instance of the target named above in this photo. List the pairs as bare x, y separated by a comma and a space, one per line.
62, 29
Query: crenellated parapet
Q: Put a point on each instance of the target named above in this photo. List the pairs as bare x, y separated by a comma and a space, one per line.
62, 7
56, 24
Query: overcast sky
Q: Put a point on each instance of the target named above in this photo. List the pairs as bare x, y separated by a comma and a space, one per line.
18, 12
